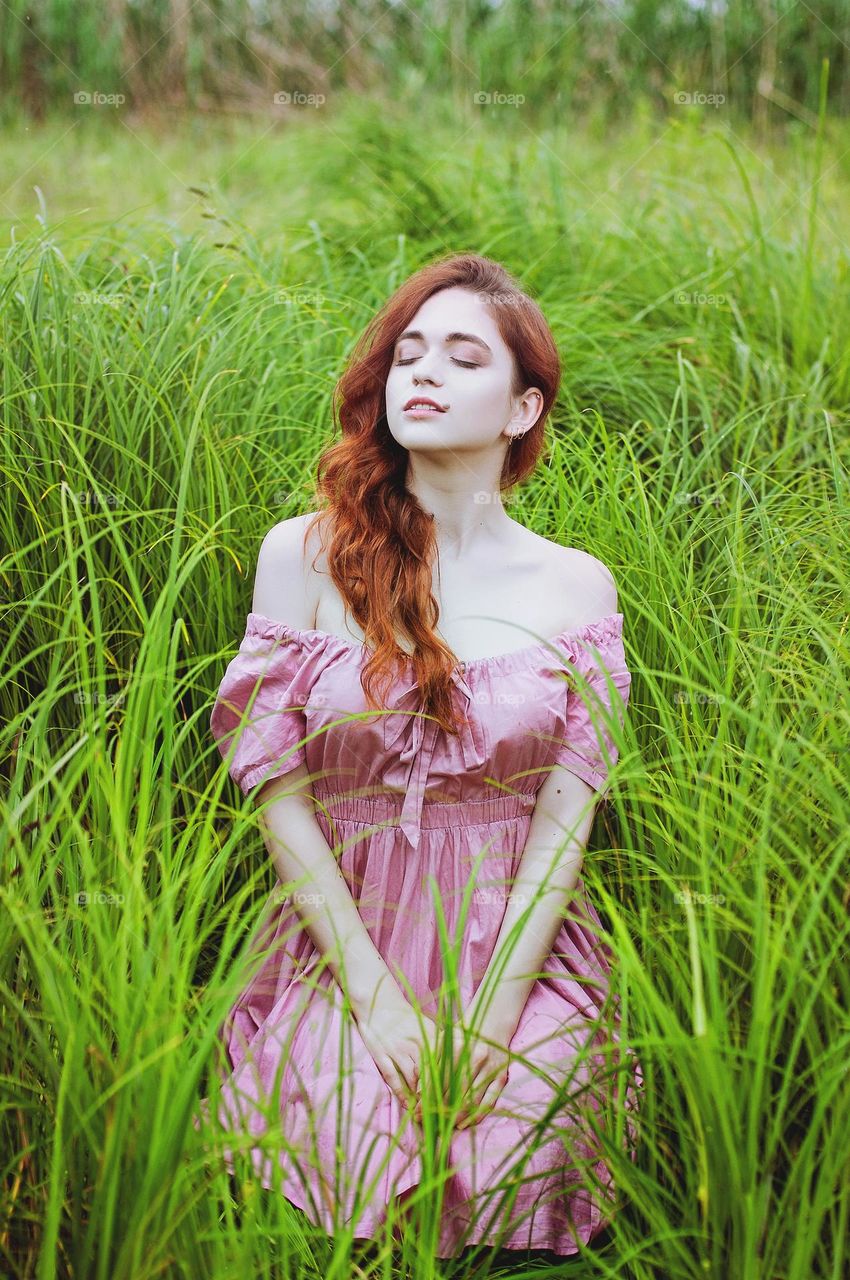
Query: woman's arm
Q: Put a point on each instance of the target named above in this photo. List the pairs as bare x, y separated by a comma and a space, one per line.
322, 899
548, 871
283, 590
545, 880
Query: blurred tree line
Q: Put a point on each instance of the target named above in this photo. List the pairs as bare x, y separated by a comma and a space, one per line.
759, 59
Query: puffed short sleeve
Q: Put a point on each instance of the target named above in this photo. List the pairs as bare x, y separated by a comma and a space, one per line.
260, 706
597, 694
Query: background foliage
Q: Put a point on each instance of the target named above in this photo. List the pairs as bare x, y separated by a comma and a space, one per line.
179, 291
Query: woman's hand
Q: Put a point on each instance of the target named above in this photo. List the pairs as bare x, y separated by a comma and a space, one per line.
484, 1067
487, 1075
396, 1039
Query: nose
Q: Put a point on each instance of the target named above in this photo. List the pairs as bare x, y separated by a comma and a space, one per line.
423, 373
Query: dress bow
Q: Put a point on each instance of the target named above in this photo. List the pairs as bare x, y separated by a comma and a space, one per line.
412, 737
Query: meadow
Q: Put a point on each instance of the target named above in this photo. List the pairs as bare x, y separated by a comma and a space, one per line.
176, 305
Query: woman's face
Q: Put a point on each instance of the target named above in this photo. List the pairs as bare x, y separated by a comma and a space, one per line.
452, 352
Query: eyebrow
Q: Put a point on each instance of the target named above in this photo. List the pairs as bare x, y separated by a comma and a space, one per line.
450, 337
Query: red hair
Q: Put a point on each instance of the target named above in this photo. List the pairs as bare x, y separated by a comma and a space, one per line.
381, 541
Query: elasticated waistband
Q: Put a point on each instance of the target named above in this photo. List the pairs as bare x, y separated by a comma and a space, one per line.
384, 808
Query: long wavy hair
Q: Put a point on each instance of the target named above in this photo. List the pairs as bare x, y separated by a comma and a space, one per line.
379, 542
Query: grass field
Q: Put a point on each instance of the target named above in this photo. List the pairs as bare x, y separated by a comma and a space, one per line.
176, 307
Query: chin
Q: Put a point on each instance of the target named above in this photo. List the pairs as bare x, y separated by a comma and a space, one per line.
421, 432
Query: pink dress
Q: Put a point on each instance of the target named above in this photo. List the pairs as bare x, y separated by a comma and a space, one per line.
342, 1162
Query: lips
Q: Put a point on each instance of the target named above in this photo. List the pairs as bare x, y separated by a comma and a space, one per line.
424, 401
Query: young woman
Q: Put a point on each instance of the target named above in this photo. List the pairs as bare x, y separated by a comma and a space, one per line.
427, 702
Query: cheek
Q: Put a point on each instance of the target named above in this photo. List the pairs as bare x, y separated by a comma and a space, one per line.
491, 391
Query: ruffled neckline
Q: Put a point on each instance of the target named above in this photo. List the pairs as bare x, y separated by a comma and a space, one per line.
597, 632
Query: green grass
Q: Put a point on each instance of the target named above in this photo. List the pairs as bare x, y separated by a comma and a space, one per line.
166, 384
596, 61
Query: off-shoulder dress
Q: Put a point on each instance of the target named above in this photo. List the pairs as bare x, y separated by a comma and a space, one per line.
413, 813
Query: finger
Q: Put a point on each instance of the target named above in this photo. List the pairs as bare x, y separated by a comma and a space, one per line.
468, 1103
392, 1077
405, 1075
483, 1096
459, 1043
477, 1048
472, 1112
491, 1097
465, 1049
467, 1111
483, 1055
476, 1076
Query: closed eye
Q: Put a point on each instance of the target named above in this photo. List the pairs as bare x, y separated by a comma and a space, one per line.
467, 364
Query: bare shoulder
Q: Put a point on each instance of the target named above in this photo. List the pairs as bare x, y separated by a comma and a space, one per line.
594, 571
283, 588
585, 579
